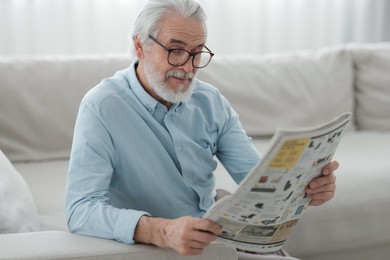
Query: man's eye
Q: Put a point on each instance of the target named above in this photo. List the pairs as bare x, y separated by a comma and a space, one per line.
177, 52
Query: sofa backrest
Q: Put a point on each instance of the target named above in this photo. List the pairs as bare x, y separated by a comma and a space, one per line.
39, 100
290, 90
372, 85
39, 97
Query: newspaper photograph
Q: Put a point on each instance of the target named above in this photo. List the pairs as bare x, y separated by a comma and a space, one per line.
261, 214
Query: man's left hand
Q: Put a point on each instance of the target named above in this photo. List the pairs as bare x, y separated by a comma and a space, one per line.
323, 188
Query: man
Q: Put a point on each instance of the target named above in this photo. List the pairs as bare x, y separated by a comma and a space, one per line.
142, 159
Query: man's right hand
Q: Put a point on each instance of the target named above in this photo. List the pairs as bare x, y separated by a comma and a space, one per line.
187, 235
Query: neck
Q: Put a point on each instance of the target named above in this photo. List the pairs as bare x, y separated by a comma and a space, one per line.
164, 102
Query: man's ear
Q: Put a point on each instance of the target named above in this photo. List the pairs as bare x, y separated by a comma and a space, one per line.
139, 50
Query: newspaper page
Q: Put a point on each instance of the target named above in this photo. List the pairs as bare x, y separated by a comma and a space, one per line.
261, 214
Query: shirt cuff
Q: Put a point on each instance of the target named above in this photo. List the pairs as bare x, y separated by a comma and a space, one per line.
125, 225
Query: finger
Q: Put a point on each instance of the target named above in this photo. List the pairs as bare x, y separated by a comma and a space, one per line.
197, 244
203, 237
322, 180
330, 168
317, 202
331, 187
208, 226
326, 195
320, 198
192, 248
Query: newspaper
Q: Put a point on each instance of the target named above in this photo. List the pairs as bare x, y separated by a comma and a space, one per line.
261, 214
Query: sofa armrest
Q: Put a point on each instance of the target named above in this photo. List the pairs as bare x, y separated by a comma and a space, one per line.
64, 245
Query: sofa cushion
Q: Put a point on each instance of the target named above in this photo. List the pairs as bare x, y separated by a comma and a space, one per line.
358, 215
47, 181
40, 97
284, 90
372, 77
17, 207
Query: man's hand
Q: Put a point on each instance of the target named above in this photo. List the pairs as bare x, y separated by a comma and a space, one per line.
323, 188
186, 235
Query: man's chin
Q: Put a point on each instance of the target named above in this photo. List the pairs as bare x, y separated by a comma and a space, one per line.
181, 95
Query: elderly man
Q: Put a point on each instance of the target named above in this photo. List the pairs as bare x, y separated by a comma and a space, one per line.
142, 159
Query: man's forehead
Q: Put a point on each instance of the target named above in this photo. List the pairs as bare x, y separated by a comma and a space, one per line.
182, 30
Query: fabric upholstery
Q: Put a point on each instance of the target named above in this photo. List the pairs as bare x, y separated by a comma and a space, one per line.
17, 206
47, 180
286, 90
40, 98
63, 245
357, 216
372, 86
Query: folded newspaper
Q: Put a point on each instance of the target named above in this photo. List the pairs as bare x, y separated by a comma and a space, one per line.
261, 214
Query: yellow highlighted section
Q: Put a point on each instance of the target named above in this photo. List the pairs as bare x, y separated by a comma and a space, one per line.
289, 153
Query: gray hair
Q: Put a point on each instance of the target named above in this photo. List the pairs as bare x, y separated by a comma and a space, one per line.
147, 22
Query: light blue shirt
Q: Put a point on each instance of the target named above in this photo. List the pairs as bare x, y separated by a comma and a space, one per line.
132, 157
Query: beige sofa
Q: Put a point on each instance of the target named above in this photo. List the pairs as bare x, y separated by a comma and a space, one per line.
39, 98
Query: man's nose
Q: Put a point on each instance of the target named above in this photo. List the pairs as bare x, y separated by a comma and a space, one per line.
188, 67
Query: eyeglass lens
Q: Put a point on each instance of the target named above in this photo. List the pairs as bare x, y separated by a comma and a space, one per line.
180, 57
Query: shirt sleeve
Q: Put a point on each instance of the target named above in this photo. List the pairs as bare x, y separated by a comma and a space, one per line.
236, 150
91, 168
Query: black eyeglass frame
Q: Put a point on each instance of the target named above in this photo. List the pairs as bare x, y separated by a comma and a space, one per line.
190, 54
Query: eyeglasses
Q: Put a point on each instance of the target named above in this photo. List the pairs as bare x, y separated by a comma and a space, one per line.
179, 57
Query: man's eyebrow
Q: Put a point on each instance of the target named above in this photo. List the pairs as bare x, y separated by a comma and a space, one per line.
175, 41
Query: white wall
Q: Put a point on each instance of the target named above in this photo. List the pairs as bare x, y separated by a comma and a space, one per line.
235, 26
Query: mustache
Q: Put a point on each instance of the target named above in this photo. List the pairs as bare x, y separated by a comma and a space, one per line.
180, 74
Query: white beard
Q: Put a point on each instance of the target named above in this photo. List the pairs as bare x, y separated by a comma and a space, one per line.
162, 89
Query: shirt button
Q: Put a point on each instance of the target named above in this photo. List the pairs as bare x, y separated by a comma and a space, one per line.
179, 148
